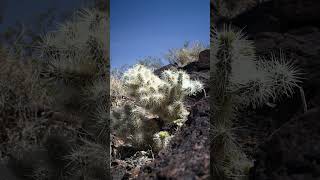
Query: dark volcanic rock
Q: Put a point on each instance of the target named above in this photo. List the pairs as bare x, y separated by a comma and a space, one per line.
299, 12
188, 155
201, 65
204, 57
167, 67
293, 152
279, 16
7, 174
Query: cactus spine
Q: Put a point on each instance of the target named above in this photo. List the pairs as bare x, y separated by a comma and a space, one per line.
76, 68
159, 98
240, 80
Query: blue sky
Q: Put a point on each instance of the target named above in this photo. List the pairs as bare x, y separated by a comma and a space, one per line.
139, 28
142, 28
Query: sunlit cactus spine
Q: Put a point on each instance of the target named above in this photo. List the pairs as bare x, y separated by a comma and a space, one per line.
239, 80
161, 96
156, 101
133, 125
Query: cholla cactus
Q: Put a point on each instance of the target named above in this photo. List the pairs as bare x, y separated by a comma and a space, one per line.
134, 125
154, 100
163, 97
162, 139
90, 160
75, 56
117, 91
76, 62
240, 80
252, 80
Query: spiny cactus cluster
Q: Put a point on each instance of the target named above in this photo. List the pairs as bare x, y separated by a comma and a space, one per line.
23, 98
76, 57
239, 80
155, 100
163, 97
75, 67
161, 139
20, 88
131, 123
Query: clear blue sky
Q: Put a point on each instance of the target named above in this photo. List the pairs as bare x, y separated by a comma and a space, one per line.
139, 28
142, 28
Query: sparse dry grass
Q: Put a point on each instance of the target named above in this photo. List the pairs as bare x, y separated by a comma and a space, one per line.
22, 102
185, 55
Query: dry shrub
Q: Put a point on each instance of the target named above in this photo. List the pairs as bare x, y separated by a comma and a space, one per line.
22, 101
185, 55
